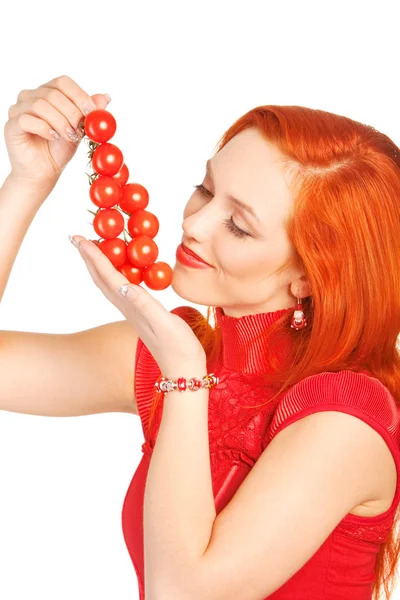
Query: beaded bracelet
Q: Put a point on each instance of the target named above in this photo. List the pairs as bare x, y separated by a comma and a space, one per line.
194, 384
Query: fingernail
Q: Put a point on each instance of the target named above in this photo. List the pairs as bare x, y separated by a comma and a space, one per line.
71, 133
87, 108
74, 242
108, 97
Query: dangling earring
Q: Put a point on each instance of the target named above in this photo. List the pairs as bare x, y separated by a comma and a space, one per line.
298, 320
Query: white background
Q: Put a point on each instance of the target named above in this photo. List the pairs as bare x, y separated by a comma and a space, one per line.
179, 73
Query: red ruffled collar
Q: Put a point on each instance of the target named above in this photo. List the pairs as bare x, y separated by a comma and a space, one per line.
240, 350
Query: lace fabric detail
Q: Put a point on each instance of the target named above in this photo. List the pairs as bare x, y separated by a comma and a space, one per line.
376, 533
232, 456
231, 427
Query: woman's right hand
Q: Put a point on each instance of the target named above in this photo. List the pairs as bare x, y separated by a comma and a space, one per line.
36, 157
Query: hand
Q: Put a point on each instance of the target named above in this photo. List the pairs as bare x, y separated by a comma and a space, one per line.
35, 156
169, 338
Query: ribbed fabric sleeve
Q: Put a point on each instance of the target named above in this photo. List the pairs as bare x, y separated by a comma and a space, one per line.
357, 394
146, 373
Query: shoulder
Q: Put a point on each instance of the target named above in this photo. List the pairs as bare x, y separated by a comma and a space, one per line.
351, 411
354, 410
357, 393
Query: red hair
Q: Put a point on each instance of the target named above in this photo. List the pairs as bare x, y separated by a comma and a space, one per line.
344, 227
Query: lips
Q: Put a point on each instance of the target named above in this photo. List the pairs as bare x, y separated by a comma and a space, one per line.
195, 255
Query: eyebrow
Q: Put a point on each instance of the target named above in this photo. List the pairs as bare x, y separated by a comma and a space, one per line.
239, 203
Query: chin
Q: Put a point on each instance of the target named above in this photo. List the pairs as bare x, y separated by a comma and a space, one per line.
179, 288
186, 291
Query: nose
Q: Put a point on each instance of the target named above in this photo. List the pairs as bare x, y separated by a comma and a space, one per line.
198, 224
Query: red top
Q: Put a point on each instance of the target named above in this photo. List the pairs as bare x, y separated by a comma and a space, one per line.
343, 567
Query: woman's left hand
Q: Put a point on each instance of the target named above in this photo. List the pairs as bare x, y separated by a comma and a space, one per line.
168, 337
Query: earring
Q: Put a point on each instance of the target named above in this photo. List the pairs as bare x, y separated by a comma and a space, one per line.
298, 320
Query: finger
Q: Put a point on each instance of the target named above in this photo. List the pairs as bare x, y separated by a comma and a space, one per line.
74, 92
110, 281
29, 124
103, 285
55, 119
105, 270
101, 100
94, 273
51, 105
68, 113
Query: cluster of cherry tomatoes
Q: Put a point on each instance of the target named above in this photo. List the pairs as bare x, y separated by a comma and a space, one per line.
109, 191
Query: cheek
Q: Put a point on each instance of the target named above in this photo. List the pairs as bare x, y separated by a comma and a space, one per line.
248, 259
239, 258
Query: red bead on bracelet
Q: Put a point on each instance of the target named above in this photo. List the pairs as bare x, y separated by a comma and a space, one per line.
193, 384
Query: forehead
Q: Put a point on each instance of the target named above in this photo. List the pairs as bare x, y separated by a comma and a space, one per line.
249, 167
251, 151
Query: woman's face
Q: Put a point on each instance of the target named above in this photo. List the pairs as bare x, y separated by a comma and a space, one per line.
242, 281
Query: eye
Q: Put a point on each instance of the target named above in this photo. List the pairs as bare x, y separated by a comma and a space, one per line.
229, 224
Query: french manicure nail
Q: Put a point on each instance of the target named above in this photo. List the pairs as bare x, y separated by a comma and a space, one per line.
108, 97
74, 242
71, 133
87, 108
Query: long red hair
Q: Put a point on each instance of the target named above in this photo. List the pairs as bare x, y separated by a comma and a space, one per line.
345, 231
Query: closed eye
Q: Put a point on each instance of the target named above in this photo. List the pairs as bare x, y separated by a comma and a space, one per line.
229, 224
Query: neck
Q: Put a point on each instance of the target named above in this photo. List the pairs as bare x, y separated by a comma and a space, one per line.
243, 348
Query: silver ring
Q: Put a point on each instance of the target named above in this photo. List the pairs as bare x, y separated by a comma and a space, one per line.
123, 289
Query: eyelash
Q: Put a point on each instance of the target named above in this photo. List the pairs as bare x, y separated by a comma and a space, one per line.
229, 224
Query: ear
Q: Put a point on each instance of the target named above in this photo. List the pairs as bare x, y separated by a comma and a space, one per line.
301, 287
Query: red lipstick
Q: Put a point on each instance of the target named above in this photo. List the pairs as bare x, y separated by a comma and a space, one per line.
190, 259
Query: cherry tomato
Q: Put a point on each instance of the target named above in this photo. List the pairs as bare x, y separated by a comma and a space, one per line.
158, 276
105, 192
143, 222
108, 223
107, 159
122, 176
133, 197
142, 251
100, 126
115, 250
132, 273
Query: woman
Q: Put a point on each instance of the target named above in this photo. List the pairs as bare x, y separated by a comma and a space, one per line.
295, 489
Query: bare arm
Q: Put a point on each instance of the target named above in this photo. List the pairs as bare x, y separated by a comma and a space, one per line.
19, 203
73, 374
54, 374
65, 375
